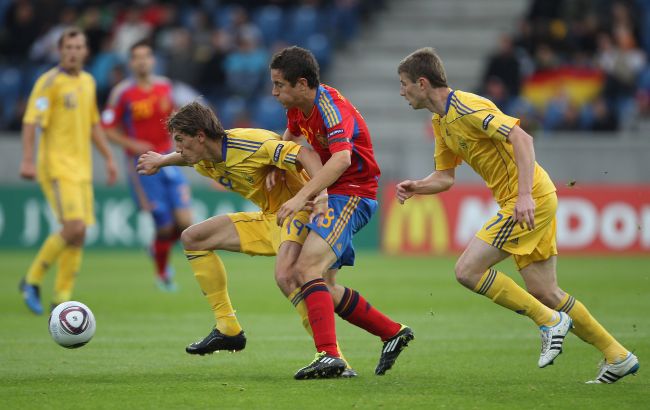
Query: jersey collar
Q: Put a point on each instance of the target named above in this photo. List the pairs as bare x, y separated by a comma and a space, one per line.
451, 93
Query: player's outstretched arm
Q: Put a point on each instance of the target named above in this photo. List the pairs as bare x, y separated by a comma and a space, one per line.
331, 171
277, 175
137, 147
436, 182
522, 145
100, 142
151, 162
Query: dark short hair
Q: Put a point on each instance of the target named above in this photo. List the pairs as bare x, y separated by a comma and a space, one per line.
70, 32
426, 63
194, 117
141, 43
295, 63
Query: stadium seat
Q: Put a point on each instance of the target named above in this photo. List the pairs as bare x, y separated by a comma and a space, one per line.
269, 19
269, 114
231, 109
303, 23
319, 44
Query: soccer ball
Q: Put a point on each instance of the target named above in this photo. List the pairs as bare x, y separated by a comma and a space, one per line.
72, 324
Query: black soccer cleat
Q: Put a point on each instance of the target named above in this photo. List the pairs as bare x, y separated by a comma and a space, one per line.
392, 348
324, 366
217, 341
349, 373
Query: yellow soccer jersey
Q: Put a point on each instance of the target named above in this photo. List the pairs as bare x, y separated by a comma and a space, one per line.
64, 107
474, 130
248, 155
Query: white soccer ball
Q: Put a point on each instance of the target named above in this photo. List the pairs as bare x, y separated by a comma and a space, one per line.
72, 324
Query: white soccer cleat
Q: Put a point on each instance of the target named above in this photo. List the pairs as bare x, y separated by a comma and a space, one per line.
552, 339
611, 373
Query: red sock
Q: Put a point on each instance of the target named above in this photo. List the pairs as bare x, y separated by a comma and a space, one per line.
320, 310
356, 310
161, 248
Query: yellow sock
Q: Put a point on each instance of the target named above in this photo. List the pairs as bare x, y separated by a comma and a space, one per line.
211, 274
47, 255
69, 264
587, 328
505, 292
297, 301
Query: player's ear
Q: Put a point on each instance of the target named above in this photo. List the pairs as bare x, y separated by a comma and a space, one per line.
422, 83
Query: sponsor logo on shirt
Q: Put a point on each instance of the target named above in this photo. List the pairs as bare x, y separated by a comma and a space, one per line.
278, 151
335, 132
487, 120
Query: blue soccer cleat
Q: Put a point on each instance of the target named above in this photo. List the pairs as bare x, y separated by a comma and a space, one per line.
32, 296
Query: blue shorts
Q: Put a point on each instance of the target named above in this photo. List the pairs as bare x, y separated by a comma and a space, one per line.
345, 216
161, 194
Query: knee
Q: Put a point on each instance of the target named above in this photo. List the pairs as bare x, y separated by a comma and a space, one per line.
286, 281
464, 275
190, 239
74, 233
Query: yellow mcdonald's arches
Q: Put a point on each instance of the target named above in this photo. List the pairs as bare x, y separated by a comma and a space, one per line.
420, 225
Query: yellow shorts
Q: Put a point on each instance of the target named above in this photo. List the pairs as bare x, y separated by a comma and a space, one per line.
259, 234
525, 246
70, 200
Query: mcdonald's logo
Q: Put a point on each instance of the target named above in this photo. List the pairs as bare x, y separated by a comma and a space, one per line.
418, 226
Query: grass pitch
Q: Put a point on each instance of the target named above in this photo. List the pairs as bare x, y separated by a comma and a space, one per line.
468, 352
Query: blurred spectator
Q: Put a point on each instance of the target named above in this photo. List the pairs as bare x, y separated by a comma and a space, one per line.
45, 48
181, 64
132, 29
247, 65
19, 30
504, 67
213, 48
580, 62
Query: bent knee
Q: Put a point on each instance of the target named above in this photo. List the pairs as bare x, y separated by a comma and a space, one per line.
466, 276
190, 239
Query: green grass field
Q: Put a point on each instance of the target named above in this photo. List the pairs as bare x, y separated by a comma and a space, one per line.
468, 352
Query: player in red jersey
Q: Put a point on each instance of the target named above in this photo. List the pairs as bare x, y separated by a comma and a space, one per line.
135, 119
350, 174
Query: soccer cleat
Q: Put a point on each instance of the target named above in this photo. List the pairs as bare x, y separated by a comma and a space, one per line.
166, 283
552, 339
611, 373
392, 348
32, 296
217, 341
349, 373
324, 366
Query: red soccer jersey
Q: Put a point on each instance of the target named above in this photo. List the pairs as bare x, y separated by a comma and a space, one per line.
335, 125
141, 112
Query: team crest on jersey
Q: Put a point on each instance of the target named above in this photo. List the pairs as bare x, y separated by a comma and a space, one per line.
70, 101
487, 120
462, 143
321, 138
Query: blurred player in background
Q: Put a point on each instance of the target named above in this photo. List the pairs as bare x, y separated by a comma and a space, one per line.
472, 129
135, 119
63, 106
240, 160
350, 174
